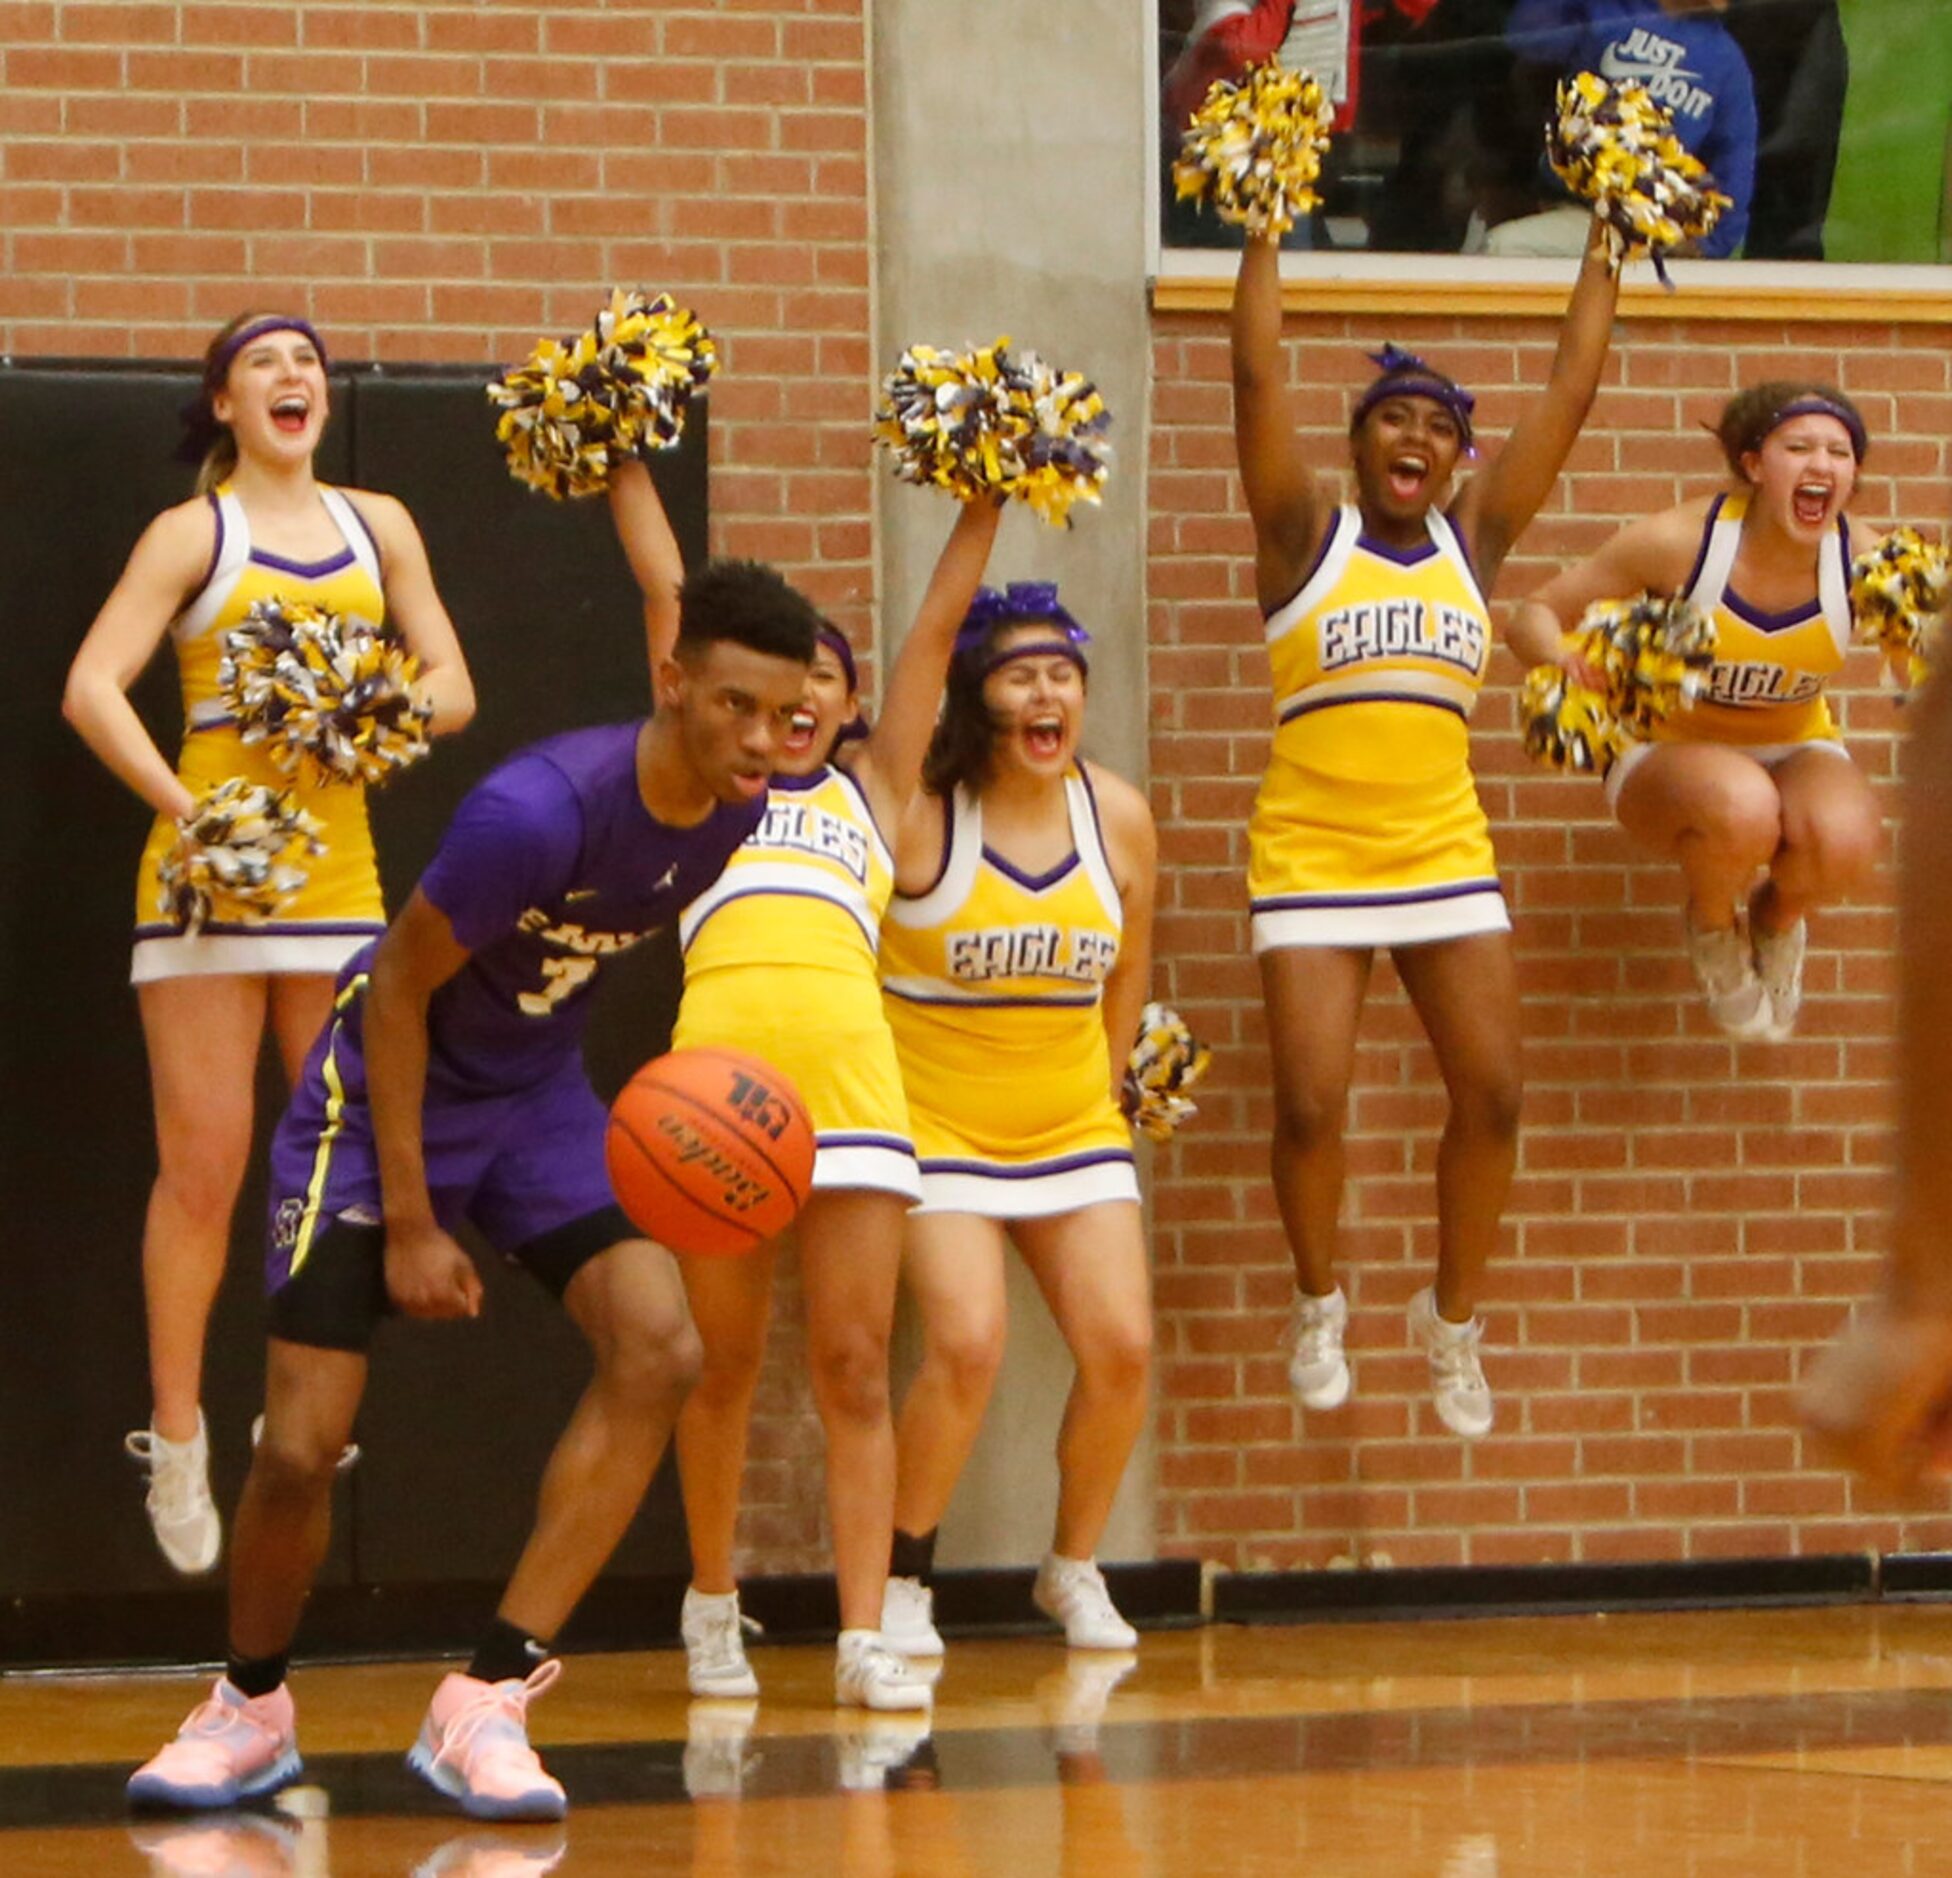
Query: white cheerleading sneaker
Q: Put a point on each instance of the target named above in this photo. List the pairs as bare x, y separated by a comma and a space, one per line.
1318, 1371
1071, 1591
181, 1512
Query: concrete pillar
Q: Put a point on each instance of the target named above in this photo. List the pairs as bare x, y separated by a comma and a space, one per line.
1009, 184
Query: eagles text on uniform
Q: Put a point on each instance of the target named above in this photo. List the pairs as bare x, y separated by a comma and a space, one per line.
1401, 629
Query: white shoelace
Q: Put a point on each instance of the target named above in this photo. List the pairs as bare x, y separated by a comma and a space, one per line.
504, 1705
178, 1486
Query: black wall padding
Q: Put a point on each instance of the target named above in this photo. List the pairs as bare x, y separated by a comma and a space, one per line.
458, 1418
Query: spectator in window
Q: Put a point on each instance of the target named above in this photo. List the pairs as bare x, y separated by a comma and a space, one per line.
1689, 62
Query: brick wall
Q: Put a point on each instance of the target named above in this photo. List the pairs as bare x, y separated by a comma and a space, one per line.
445, 181
1690, 1216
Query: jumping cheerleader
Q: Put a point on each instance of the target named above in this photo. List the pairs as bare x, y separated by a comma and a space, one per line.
1749, 790
260, 528
1367, 831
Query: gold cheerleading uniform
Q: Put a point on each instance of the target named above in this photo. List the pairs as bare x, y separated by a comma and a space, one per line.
1770, 668
994, 985
338, 908
1367, 830
779, 961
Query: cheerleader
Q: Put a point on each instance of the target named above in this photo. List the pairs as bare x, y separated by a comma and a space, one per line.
779, 961
1014, 959
1367, 830
261, 527
1749, 789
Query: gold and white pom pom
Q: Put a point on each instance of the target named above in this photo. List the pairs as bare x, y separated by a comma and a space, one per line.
330, 699
575, 408
1166, 1061
1899, 593
1615, 147
992, 422
1655, 656
237, 857
1254, 149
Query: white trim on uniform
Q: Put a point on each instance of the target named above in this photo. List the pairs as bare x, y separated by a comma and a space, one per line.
965, 844
250, 954
1343, 529
877, 1167
1459, 911
1012, 1194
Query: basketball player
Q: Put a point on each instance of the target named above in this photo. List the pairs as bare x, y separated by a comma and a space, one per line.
1749, 790
779, 961
448, 1085
1015, 959
1367, 831
1880, 1400
261, 527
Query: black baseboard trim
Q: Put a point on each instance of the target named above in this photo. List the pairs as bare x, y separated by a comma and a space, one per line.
1511, 1590
170, 1629
1916, 1575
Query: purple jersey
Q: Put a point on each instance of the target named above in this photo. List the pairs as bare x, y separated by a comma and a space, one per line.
551, 865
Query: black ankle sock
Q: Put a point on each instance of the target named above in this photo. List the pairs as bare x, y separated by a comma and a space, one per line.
912, 1557
256, 1675
506, 1654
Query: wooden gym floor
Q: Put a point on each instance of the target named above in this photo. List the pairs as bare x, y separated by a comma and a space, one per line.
1792, 1744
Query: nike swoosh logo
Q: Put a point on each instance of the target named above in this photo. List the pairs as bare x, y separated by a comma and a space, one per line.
1615, 66
670, 876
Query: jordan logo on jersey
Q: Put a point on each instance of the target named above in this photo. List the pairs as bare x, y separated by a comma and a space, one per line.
1401, 629
804, 829
977, 958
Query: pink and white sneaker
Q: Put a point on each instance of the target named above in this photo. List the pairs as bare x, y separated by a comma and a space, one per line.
233, 1747
474, 1747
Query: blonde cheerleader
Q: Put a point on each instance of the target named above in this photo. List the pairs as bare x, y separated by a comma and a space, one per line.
261, 528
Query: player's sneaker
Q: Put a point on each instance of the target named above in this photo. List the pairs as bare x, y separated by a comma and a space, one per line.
181, 1512
876, 1752
908, 1618
867, 1674
1779, 965
715, 1761
1071, 1591
495, 1855
246, 1845
233, 1747
474, 1747
714, 1628
1318, 1371
1457, 1383
1724, 968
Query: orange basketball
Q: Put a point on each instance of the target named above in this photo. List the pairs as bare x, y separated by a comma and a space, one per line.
709, 1151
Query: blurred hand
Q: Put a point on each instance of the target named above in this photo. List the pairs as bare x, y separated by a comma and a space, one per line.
1879, 1400
429, 1275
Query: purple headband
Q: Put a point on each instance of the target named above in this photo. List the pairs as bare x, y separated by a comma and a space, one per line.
1022, 603
835, 641
1407, 376
200, 426
1815, 406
